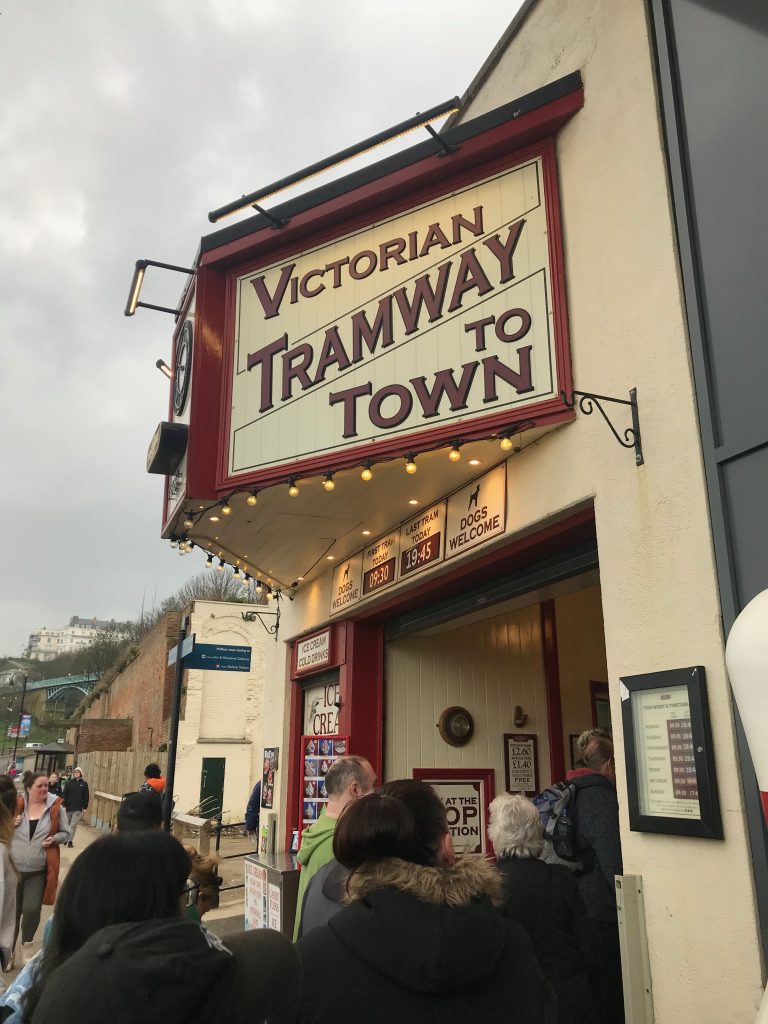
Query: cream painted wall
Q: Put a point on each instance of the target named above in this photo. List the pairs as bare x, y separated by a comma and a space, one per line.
487, 667
659, 592
581, 658
223, 711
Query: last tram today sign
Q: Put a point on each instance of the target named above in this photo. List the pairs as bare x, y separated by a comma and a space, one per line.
440, 314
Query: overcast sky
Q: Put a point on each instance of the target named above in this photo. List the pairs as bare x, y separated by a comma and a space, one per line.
121, 125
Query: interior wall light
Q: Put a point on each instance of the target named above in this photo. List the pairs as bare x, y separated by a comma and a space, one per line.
293, 490
328, 483
163, 367
411, 124
455, 453
138, 279
367, 473
410, 463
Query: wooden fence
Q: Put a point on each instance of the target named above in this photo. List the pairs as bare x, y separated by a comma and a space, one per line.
112, 772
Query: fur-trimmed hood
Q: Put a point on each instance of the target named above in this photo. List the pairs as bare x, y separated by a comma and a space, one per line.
472, 878
428, 930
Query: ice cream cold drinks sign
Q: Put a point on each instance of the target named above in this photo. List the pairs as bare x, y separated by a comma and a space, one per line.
440, 314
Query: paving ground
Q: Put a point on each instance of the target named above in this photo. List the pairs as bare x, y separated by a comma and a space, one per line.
224, 921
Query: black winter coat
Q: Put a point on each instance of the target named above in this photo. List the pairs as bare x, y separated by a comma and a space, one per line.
596, 814
422, 945
75, 795
544, 899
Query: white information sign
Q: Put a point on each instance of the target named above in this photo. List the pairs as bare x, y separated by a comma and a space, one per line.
255, 896
421, 540
380, 563
347, 584
666, 765
313, 652
442, 313
477, 513
466, 814
273, 907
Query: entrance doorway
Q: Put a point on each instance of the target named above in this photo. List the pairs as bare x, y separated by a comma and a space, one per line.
212, 786
525, 666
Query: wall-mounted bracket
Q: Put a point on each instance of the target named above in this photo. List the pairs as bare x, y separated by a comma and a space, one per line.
588, 402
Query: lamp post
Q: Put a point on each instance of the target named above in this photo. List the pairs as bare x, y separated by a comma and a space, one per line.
21, 709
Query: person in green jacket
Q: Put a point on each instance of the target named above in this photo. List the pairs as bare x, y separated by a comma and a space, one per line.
347, 779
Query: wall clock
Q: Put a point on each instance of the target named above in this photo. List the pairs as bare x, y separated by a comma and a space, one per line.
182, 368
456, 726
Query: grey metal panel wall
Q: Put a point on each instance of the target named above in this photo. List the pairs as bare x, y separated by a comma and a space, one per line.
712, 59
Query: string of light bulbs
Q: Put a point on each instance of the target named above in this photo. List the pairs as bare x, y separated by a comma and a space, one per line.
223, 506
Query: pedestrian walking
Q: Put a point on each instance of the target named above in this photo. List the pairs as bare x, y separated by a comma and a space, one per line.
55, 785
423, 938
76, 797
8, 874
41, 826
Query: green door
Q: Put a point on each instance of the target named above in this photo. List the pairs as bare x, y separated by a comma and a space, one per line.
212, 786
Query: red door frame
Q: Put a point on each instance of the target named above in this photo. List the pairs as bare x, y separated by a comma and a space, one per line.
358, 650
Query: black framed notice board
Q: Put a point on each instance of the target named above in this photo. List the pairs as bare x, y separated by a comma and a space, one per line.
671, 781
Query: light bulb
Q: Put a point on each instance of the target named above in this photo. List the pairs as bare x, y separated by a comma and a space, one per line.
226, 509
410, 464
246, 579
293, 490
259, 588
174, 543
209, 562
220, 566
367, 473
251, 500
189, 523
328, 483
236, 572
506, 444
454, 454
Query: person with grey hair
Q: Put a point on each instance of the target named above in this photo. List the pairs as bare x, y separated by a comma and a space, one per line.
347, 779
544, 898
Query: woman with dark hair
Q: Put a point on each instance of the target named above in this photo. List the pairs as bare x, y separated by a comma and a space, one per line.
41, 828
136, 876
9, 876
422, 937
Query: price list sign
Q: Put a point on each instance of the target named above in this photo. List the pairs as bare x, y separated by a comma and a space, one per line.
421, 540
684, 783
664, 743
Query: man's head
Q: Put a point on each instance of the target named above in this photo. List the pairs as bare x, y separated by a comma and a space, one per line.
598, 757
347, 779
139, 812
588, 735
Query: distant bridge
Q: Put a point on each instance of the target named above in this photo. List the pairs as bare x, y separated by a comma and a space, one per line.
56, 687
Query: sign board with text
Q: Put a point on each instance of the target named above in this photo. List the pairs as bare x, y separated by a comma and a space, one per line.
466, 794
438, 314
312, 652
219, 658
671, 782
521, 764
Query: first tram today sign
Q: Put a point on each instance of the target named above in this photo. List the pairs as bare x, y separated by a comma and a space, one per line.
441, 314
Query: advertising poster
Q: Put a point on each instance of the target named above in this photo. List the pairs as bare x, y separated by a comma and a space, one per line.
273, 907
255, 896
268, 777
318, 754
667, 782
521, 763
466, 814
321, 709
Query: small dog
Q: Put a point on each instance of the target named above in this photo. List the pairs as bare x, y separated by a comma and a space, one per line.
205, 875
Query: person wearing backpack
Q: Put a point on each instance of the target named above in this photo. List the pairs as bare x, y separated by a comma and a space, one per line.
544, 899
595, 812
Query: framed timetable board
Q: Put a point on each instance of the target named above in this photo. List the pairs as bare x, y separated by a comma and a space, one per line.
671, 782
